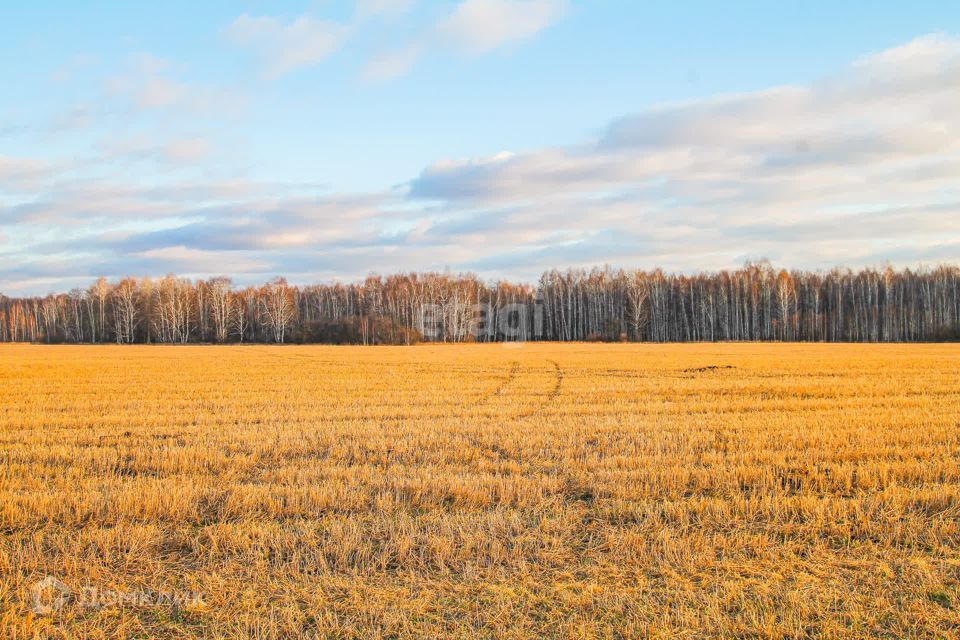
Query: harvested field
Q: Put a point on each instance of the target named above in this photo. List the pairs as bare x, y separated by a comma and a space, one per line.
540, 490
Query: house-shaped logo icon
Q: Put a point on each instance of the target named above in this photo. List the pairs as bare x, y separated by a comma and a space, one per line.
48, 596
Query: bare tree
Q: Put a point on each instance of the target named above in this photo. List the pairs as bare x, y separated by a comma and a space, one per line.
126, 312
277, 308
220, 295
239, 316
638, 290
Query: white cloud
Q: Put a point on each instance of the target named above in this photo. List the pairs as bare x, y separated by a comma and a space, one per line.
287, 46
147, 64
146, 84
187, 150
158, 92
926, 53
478, 26
371, 8
391, 64
191, 262
78, 116
22, 173
474, 27
72, 67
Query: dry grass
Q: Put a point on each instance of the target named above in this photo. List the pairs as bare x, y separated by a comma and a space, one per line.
549, 490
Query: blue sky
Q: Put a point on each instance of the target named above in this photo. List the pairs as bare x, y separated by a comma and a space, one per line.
325, 139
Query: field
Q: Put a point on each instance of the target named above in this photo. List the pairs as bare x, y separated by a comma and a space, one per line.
739, 490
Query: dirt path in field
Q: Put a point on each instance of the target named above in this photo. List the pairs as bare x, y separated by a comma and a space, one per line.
509, 384
485, 440
553, 395
504, 384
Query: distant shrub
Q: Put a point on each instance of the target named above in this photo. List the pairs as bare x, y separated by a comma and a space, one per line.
357, 330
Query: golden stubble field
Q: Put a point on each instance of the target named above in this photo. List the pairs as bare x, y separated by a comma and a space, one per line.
740, 490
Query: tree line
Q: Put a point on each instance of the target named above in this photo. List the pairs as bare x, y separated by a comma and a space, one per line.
756, 302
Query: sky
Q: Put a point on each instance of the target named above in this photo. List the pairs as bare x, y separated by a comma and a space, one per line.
328, 140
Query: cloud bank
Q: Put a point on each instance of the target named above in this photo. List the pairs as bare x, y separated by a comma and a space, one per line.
287, 46
857, 168
478, 26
